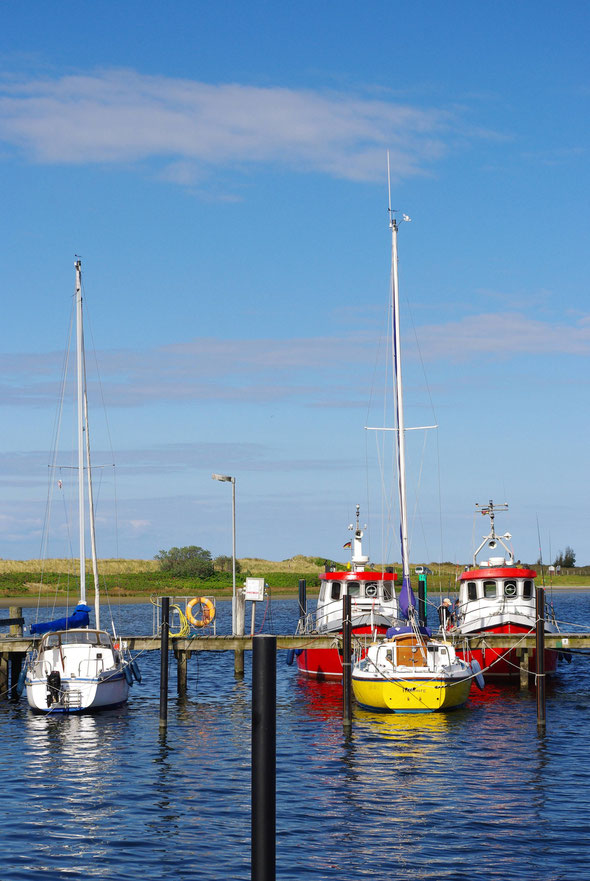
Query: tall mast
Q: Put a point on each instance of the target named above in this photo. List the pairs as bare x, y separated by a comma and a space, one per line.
91, 511
399, 408
80, 374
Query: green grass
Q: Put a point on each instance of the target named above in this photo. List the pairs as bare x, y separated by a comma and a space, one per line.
143, 578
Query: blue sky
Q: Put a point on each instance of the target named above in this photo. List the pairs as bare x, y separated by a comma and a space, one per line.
221, 170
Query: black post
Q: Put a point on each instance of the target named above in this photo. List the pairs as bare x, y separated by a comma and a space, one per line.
540, 653
264, 752
346, 662
164, 631
422, 599
302, 598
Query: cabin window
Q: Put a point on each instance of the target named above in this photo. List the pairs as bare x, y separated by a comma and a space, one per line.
489, 589
104, 639
510, 589
371, 589
471, 590
387, 591
527, 589
354, 590
335, 590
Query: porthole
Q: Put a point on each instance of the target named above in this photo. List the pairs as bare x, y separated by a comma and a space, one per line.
510, 589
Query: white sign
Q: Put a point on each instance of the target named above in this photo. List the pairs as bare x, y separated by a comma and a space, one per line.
254, 589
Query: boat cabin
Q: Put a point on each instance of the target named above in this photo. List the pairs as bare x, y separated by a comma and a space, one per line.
371, 593
78, 654
497, 589
406, 652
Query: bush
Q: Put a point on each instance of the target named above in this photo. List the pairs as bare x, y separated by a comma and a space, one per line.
224, 564
192, 560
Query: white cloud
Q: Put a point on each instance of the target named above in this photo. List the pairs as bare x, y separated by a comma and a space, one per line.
122, 116
268, 370
504, 334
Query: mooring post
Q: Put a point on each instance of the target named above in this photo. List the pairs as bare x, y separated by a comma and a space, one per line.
422, 589
4, 683
16, 658
181, 671
302, 599
264, 749
540, 653
346, 662
523, 657
164, 633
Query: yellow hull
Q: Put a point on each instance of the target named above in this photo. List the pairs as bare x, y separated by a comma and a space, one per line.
410, 695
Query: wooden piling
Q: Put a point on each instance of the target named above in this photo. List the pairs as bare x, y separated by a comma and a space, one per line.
16, 658
523, 657
182, 659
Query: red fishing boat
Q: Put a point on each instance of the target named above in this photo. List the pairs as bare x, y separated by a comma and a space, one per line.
373, 609
498, 595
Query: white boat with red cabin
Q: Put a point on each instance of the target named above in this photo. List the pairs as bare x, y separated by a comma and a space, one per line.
498, 595
374, 609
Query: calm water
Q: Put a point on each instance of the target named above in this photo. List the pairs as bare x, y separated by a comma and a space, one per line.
474, 794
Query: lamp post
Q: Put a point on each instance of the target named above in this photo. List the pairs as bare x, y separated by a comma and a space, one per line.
225, 478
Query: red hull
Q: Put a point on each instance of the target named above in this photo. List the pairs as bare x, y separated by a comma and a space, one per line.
503, 663
326, 664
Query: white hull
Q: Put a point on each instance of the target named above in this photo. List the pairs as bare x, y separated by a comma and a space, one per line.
76, 671
79, 695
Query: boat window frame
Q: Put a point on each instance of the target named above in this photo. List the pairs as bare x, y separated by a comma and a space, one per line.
335, 588
373, 586
511, 584
528, 589
472, 590
486, 585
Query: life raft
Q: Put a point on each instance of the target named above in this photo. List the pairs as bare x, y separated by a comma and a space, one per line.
207, 612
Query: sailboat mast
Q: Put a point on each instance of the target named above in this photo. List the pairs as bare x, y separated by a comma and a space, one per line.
91, 511
80, 375
399, 409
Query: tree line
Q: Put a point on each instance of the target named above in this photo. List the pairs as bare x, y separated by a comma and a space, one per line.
193, 561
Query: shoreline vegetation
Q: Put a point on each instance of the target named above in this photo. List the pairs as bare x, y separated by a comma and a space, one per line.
44, 582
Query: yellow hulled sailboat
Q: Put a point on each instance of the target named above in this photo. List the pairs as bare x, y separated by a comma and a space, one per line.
408, 672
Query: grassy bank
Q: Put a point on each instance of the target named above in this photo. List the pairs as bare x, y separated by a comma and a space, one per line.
121, 579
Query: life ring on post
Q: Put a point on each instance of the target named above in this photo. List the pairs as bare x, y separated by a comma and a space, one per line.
207, 611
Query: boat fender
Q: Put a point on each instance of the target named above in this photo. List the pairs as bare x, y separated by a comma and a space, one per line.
477, 675
208, 611
128, 674
21, 681
290, 657
134, 666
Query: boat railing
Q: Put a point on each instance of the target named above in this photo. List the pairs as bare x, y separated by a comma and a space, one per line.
90, 667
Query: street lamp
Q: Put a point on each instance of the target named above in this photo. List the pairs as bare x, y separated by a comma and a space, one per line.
225, 478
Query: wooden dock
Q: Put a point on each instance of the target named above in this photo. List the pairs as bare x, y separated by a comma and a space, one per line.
13, 649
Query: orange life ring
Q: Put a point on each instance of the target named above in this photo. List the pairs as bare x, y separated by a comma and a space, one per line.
207, 614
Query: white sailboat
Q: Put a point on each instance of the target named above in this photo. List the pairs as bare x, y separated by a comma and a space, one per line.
77, 668
408, 672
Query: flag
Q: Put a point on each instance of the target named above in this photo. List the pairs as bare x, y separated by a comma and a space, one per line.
347, 545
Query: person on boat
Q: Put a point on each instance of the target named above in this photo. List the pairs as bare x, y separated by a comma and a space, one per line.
445, 614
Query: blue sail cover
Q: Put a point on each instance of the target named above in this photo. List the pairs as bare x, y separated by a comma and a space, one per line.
79, 618
407, 600
395, 631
